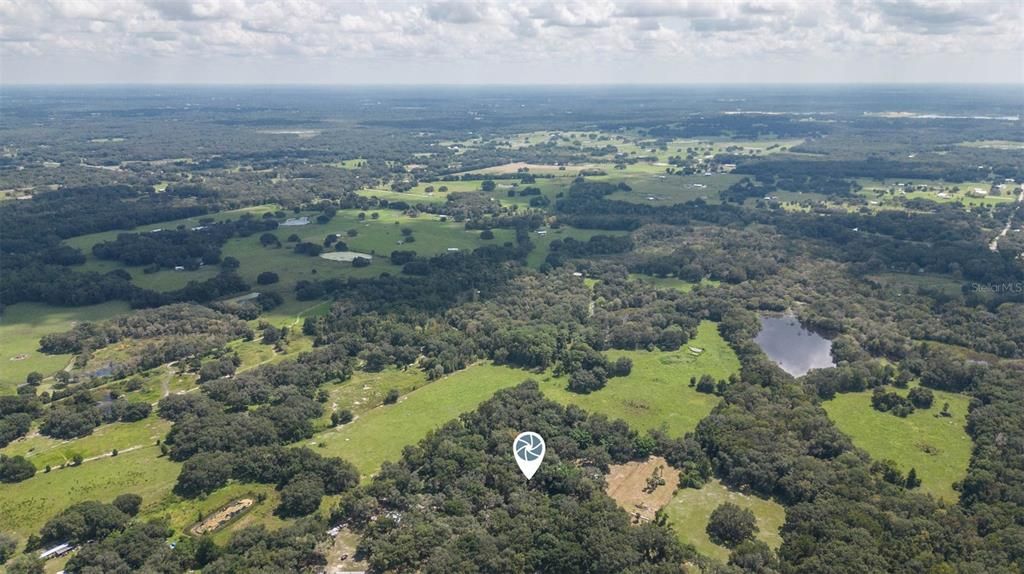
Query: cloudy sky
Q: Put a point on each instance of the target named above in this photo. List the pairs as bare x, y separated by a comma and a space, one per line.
460, 42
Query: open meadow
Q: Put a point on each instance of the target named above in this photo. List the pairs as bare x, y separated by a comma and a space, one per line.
657, 394
937, 447
23, 324
43, 451
27, 505
663, 189
690, 508
380, 434
377, 237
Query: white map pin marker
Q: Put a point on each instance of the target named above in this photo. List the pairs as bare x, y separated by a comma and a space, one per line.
528, 448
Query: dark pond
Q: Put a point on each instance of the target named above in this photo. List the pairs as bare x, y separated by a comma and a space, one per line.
792, 347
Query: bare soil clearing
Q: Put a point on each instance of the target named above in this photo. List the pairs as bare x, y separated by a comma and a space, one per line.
630, 485
222, 516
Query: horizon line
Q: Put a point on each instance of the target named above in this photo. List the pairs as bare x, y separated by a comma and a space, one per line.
499, 85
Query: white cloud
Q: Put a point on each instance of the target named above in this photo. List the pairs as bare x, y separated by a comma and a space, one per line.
462, 41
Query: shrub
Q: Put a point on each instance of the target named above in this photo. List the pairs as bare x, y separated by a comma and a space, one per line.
587, 381
15, 468
267, 278
706, 384
921, 397
891, 402
341, 417
8, 544
622, 367
128, 503
402, 257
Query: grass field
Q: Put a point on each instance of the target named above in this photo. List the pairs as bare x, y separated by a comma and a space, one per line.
23, 324
542, 243
181, 513
545, 169
657, 392
155, 382
412, 197
347, 163
85, 242
690, 509
27, 505
365, 391
878, 191
938, 447
44, 451
662, 189
706, 147
381, 433
419, 194
378, 237
633, 144
995, 144
672, 282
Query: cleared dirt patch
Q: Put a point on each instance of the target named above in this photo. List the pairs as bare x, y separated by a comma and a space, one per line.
341, 555
642, 488
222, 516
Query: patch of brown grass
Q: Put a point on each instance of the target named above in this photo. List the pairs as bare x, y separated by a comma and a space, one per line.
627, 484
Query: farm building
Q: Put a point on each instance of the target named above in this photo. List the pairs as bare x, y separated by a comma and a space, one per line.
56, 551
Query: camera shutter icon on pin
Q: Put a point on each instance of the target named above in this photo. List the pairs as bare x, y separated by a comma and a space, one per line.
528, 449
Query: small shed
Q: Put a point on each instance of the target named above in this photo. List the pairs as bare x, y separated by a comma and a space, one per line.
56, 551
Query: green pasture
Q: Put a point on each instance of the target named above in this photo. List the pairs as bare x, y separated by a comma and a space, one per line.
85, 242
665, 189
886, 193
542, 242
691, 508
292, 313
704, 147
380, 434
155, 384
378, 237
43, 451
25, 506
365, 391
657, 393
995, 144
672, 282
347, 163
937, 447
182, 513
23, 324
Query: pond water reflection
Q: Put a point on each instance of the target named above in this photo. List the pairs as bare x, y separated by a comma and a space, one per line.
792, 347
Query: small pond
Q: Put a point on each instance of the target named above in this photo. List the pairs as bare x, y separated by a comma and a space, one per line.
793, 347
